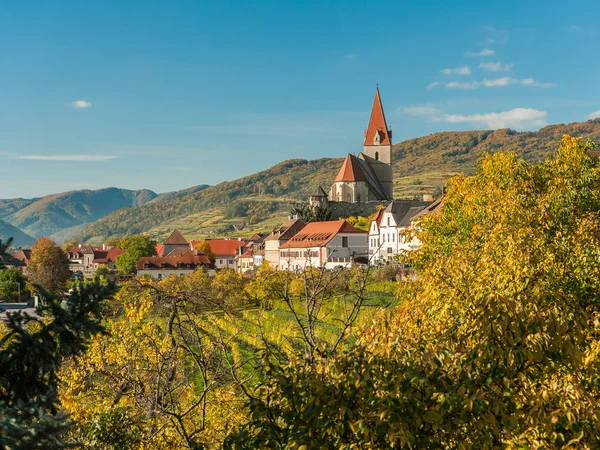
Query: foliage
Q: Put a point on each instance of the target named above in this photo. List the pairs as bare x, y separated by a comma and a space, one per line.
11, 282
361, 222
494, 345
134, 247
308, 213
163, 367
203, 247
31, 353
48, 266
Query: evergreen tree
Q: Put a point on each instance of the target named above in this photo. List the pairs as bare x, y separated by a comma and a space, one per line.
31, 352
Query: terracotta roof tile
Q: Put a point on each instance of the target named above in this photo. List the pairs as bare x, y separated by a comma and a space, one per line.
224, 247
377, 124
319, 234
187, 261
351, 170
176, 238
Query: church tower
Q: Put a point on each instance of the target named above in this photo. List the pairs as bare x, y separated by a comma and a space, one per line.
378, 147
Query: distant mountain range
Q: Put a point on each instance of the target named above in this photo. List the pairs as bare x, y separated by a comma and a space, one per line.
20, 239
260, 201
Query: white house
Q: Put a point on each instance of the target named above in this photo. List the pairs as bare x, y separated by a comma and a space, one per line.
385, 233
324, 244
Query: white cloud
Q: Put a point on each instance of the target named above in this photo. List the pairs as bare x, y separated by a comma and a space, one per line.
88, 158
463, 70
535, 83
496, 82
594, 115
80, 104
462, 85
495, 67
493, 82
433, 84
484, 52
518, 118
494, 36
420, 111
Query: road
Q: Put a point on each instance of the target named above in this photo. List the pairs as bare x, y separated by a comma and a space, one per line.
13, 307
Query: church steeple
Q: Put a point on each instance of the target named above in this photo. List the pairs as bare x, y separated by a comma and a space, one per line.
377, 133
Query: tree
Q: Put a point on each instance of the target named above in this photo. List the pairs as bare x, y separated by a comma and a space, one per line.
494, 345
12, 282
4, 246
31, 352
49, 266
309, 213
134, 247
203, 247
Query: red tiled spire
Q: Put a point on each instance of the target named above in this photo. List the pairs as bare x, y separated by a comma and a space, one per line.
351, 170
377, 124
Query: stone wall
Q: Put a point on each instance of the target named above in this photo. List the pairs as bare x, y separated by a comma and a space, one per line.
342, 210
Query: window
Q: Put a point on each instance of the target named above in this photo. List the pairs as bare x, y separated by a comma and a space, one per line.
220, 261
377, 153
160, 276
345, 241
389, 222
393, 237
231, 261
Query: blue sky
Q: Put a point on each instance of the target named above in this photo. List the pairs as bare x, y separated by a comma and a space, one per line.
167, 95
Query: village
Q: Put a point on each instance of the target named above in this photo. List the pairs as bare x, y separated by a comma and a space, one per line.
364, 181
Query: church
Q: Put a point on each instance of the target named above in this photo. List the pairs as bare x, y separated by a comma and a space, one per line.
368, 176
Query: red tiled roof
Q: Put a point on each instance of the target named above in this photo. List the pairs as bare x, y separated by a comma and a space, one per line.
286, 231
105, 256
160, 249
351, 170
23, 255
319, 234
378, 217
377, 124
189, 260
224, 247
176, 238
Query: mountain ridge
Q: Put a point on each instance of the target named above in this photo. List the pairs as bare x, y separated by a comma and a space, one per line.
259, 197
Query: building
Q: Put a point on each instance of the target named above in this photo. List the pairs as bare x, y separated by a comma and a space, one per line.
86, 259
159, 267
387, 227
22, 255
326, 245
225, 251
251, 255
277, 238
367, 177
173, 242
318, 198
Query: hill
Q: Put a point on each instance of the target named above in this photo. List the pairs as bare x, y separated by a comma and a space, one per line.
20, 239
53, 213
257, 202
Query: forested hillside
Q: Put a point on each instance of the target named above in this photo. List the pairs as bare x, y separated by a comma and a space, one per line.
20, 239
53, 213
256, 202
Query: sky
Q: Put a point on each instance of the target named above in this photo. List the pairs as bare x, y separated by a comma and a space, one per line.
171, 94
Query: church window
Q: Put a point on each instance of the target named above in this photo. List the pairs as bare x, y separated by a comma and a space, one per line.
344, 241
377, 156
389, 222
358, 198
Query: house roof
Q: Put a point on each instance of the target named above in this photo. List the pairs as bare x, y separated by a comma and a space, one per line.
105, 256
319, 192
404, 210
377, 124
189, 260
23, 255
432, 208
351, 170
319, 234
179, 251
160, 249
176, 238
286, 231
225, 247
378, 217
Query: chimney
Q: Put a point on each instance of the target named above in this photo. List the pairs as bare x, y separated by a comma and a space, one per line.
103, 246
79, 245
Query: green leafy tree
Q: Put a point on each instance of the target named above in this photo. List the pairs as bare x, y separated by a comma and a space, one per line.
31, 352
12, 282
49, 266
308, 213
496, 343
134, 248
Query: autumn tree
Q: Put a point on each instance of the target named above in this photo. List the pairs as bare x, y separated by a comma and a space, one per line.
134, 247
496, 343
203, 247
31, 353
49, 266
